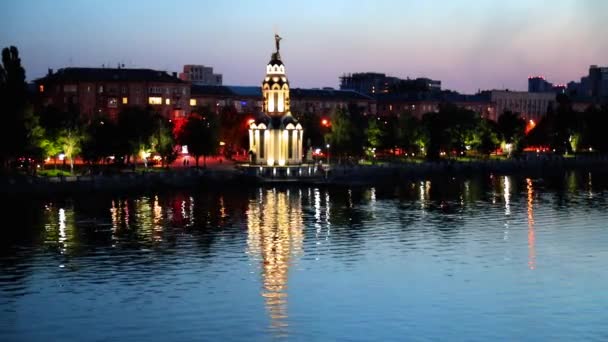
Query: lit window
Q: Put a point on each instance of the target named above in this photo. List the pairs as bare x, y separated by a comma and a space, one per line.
41, 88
193, 102
155, 100
125, 100
167, 102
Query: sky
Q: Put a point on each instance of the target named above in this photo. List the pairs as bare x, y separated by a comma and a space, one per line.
467, 44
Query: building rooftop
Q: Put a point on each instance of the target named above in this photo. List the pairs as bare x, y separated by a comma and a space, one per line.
109, 75
256, 91
443, 96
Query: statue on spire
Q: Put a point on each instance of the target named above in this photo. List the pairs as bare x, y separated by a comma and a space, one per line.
277, 40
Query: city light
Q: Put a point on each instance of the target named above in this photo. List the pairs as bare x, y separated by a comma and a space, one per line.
530, 126
325, 123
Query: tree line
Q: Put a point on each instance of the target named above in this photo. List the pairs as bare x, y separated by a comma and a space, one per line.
54, 133
455, 131
142, 133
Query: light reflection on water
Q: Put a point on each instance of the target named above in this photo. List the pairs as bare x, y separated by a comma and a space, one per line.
482, 259
274, 237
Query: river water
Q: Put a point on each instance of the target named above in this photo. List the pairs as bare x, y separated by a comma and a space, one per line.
491, 258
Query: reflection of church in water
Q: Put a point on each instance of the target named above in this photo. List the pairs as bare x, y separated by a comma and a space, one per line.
275, 138
275, 236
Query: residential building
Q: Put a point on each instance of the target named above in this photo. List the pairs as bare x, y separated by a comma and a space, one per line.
200, 75
372, 83
106, 91
421, 103
248, 99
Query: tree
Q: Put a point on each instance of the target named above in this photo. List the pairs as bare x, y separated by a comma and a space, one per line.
486, 137
511, 128
409, 133
55, 124
374, 135
557, 127
19, 131
164, 143
452, 128
70, 141
135, 128
100, 140
593, 133
313, 127
341, 136
233, 128
201, 134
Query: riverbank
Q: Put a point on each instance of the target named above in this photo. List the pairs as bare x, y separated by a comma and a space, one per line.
392, 172
385, 173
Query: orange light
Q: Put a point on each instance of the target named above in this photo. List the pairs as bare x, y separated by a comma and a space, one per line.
325, 123
250, 121
530, 126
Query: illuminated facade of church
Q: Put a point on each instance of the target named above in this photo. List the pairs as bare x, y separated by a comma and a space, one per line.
275, 139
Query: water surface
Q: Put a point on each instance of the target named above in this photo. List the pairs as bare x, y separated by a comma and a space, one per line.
493, 258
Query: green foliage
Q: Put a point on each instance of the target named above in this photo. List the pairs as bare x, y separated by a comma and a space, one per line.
52, 173
70, 141
100, 140
201, 135
342, 132
314, 131
164, 144
20, 133
512, 129
450, 129
557, 127
409, 133
374, 134
232, 129
486, 137
135, 129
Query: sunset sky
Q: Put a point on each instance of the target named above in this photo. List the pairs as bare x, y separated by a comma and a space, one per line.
467, 44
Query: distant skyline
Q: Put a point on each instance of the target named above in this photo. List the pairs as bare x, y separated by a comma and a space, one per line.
467, 44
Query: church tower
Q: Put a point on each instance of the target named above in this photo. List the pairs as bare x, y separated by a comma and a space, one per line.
276, 138
275, 88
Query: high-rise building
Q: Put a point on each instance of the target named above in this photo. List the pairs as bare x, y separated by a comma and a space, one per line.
538, 84
200, 75
373, 83
598, 82
591, 88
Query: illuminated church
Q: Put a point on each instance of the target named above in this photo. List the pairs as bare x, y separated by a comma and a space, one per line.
275, 139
